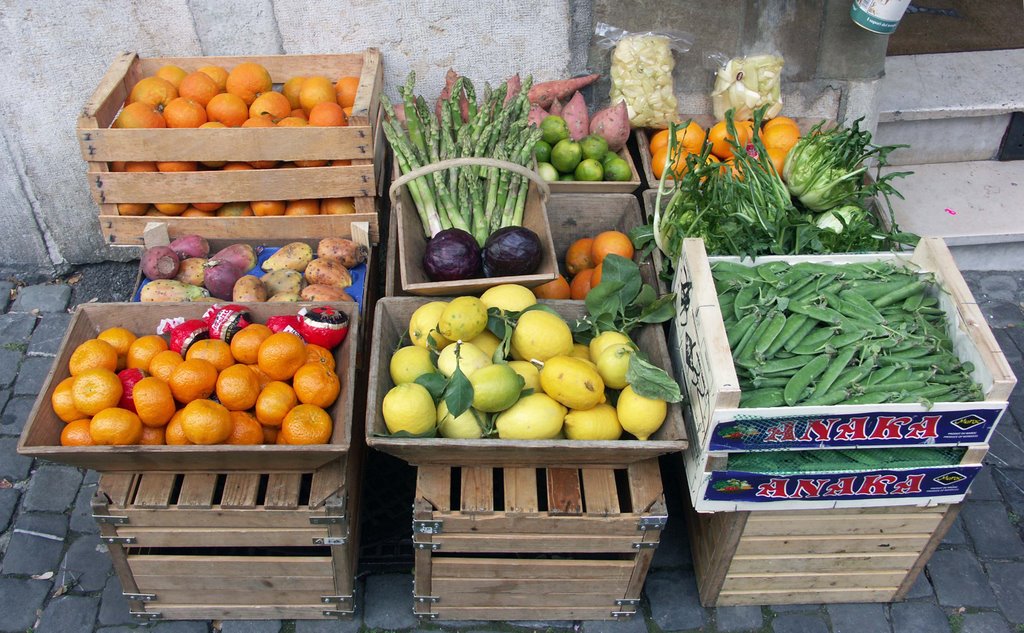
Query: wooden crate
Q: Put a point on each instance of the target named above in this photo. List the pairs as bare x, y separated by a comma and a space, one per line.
489, 546
392, 324
361, 142
41, 436
604, 186
252, 545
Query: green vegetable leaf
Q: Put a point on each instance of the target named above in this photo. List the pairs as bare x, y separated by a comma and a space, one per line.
660, 310
647, 295
650, 381
496, 322
435, 383
616, 268
605, 299
458, 395
641, 235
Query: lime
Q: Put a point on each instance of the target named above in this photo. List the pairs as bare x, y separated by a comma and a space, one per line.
617, 170
589, 170
607, 158
567, 177
597, 423
409, 363
495, 388
553, 129
542, 152
471, 358
565, 155
462, 319
408, 407
547, 171
594, 146
639, 415
465, 427
534, 417
613, 363
508, 297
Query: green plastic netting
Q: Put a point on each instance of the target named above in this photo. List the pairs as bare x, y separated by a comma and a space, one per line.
824, 461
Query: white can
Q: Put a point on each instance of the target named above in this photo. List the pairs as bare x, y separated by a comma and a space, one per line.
878, 16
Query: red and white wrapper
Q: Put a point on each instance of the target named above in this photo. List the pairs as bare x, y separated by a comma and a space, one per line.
183, 332
284, 323
323, 326
227, 320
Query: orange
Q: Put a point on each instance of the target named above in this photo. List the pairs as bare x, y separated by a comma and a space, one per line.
76, 433
595, 278
337, 206
237, 166
247, 81
272, 104
140, 166
779, 120
139, 115
173, 433
115, 427
580, 285
228, 109
234, 210
177, 165
611, 242
63, 401
578, 256
121, 339
274, 402
246, 344
299, 113
660, 161
291, 89
268, 207
214, 350
781, 136
192, 380
303, 207
172, 73
315, 384
345, 90
171, 208
556, 289
237, 388
143, 349
314, 90
281, 355
719, 137
164, 363
193, 212
217, 74
318, 354
154, 403
93, 354
184, 113
778, 157
293, 121
690, 137
199, 87
207, 206
244, 429
261, 377
269, 434
153, 436
153, 91
327, 114
306, 424
132, 208
205, 422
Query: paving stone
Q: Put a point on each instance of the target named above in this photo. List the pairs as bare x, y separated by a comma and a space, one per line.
793, 608
53, 488
9, 359
114, 608
32, 375
799, 623
8, 502
69, 614
956, 534
991, 531
921, 588
731, 619
36, 544
674, 547
1001, 314
959, 580
858, 618
1015, 334
91, 477
81, 516
48, 334
542, 625
16, 328
1007, 581
121, 629
987, 622
1002, 287
632, 624
16, 414
919, 617
42, 297
5, 395
5, 294
19, 600
251, 626
87, 563
1011, 482
1008, 345
182, 626
389, 602
984, 487
13, 466
327, 626
1006, 447
675, 605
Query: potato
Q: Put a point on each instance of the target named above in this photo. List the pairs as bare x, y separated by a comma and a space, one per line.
328, 272
286, 296
249, 288
343, 250
192, 271
321, 292
294, 256
283, 281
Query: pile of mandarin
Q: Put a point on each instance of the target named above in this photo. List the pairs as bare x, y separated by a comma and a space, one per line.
263, 388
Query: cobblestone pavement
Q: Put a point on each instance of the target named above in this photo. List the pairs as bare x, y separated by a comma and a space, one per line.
55, 575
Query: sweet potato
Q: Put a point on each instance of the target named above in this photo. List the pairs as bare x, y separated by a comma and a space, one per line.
514, 86
536, 115
294, 256
160, 262
343, 250
192, 271
322, 292
449, 82
285, 281
612, 124
543, 94
328, 272
286, 296
576, 117
249, 288
171, 290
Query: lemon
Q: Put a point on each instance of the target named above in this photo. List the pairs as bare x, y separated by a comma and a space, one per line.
540, 335
471, 358
579, 350
639, 415
535, 417
529, 372
613, 363
573, 382
508, 297
423, 324
409, 407
409, 363
603, 340
465, 427
463, 319
597, 423
487, 343
495, 388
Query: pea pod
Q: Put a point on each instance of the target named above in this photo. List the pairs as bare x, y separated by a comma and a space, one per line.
782, 365
815, 341
875, 397
793, 323
738, 331
899, 294
801, 333
881, 374
835, 368
747, 349
853, 375
762, 398
775, 326
856, 306
827, 399
732, 268
744, 300
797, 386
910, 385
825, 315
913, 302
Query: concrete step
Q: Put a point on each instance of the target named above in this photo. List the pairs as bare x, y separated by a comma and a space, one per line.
949, 107
975, 206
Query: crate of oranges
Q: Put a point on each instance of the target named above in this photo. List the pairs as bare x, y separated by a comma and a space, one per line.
121, 397
235, 147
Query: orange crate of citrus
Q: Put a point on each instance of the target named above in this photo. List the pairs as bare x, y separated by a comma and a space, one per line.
121, 397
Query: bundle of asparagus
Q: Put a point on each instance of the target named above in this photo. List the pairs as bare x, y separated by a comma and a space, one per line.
476, 199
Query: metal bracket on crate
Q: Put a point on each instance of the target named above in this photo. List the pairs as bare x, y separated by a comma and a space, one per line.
426, 616
654, 522
645, 545
337, 613
146, 615
426, 599
330, 540
110, 519
627, 602
118, 540
623, 614
431, 546
327, 520
339, 599
144, 597
420, 526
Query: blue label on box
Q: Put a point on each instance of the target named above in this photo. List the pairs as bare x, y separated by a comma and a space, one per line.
936, 481
933, 428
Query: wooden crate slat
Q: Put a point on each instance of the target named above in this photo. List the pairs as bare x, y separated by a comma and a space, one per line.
832, 545
477, 489
788, 596
110, 94
223, 537
118, 487
240, 490
830, 526
487, 568
882, 579
154, 490
562, 612
197, 490
599, 493
500, 593
926, 552
283, 491
810, 563
290, 582
433, 483
520, 490
268, 611
218, 517
228, 595
526, 586
536, 543
645, 484
564, 493
329, 480
502, 523
208, 565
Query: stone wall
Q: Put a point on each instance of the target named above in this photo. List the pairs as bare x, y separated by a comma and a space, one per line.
56, 52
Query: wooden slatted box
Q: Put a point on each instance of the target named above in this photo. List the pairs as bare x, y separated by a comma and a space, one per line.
534, 543
361, 142
201, 546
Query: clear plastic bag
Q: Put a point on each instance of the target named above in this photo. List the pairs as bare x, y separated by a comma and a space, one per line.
745, 84
641, 72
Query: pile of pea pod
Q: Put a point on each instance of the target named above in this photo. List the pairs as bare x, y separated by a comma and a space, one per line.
817, 334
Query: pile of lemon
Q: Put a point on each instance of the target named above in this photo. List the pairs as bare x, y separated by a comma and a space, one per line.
567, 384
